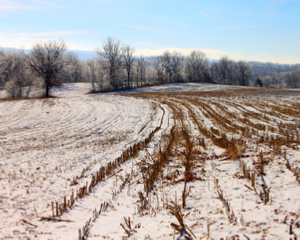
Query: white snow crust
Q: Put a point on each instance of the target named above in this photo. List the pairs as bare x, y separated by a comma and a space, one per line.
50, 148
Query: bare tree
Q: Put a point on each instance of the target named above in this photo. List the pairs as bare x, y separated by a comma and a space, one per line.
94, 75
2, 68
158, 69
244, 73
150, 75
111, 55
15, 74
224, 71
196, 66
166, 61
267, 81
129, 60
141, 71
293, 79
218, 73
177, 64
168, 67
73, 70
46, 61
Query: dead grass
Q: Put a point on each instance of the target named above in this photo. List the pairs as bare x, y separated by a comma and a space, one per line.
234, 127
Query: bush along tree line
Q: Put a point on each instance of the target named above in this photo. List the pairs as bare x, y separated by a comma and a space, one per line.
116, 67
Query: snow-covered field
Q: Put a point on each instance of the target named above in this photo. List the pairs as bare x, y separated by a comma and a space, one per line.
224, 159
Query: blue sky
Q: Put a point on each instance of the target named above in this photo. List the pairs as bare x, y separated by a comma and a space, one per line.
253, 30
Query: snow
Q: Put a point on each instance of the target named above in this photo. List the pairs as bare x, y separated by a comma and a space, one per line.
181, 87
48, 144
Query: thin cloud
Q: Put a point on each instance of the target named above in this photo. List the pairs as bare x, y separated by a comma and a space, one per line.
237, 27
45, 3
22, 42
217, 54
205, 14
149, 44
277, 3
7, 5
214, 54
48, 33
141, 28
267, 57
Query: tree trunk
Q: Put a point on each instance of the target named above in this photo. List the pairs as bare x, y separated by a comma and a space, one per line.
47, 91
128, 78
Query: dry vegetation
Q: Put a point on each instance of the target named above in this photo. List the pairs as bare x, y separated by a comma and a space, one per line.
256, 132
220, 165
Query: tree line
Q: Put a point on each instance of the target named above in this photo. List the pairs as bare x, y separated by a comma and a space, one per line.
117, 68
47, 65
277, 75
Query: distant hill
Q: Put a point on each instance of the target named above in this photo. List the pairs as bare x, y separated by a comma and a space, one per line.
258, 67
83, 55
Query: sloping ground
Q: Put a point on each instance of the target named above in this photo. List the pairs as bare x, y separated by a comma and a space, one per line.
210, 165
51, 147
233, 169
181, 87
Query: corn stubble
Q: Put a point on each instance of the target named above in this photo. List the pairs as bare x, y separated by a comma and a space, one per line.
240, 135
203, 121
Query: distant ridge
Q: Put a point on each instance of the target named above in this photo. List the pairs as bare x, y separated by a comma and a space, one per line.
83, 55
256, 65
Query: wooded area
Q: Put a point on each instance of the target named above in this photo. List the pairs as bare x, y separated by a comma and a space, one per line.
117, 68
